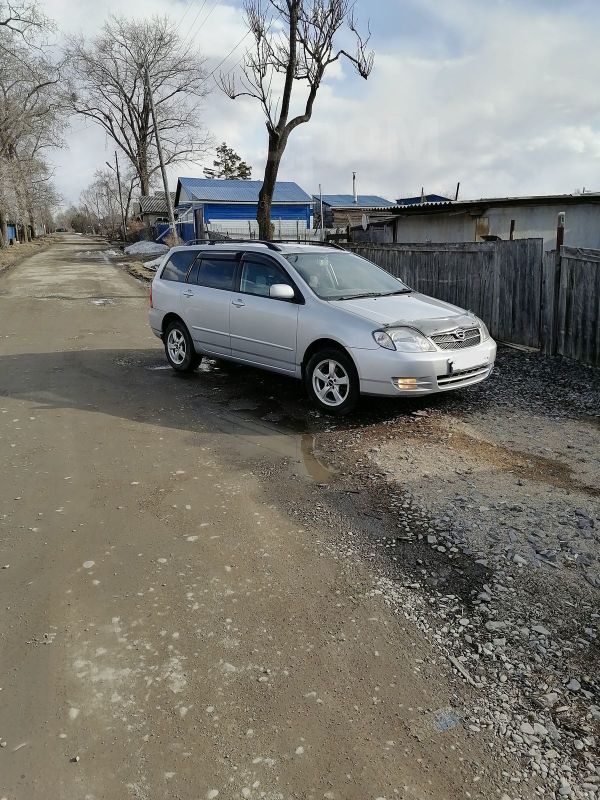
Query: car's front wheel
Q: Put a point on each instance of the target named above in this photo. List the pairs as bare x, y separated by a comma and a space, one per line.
332, 382
179, 348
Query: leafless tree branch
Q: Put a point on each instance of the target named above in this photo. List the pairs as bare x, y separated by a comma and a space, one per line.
294, 44
107, 85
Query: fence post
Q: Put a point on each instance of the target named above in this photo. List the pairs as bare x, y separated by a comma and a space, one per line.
495, 320
550, 300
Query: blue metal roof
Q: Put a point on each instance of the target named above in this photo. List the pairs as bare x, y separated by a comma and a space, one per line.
347, 201
215, 190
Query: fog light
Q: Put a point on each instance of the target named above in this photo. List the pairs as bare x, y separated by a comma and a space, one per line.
405, 383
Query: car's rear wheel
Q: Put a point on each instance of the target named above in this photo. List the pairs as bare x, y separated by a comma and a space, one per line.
179, 348
332, 382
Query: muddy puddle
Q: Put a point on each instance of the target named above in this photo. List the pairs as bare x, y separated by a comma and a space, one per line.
263, 414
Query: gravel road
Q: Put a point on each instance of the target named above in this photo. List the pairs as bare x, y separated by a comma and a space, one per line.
212, 591
175, 623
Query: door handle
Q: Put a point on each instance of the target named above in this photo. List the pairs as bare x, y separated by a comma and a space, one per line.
238, 303
188, 293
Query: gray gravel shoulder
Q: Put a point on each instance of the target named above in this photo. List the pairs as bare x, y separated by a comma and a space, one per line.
488, 540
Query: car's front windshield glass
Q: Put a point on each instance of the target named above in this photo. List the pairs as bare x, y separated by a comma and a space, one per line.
344, 276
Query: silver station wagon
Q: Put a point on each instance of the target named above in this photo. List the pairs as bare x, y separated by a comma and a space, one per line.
317, 313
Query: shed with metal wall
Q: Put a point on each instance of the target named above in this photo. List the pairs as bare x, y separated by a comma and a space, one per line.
505, 218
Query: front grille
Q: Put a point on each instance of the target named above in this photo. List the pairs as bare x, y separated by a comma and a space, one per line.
450, 340
464, 376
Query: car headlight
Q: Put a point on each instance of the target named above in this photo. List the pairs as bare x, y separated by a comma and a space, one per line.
485, 334
405, 340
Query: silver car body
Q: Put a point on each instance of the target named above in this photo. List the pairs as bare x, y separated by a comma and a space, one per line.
276, 335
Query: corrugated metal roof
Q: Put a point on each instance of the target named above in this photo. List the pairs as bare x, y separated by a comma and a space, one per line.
490, 202
428, 198
155, 203
215, 190
347, 201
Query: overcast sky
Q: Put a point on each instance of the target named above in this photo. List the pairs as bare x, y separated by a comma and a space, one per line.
500, 95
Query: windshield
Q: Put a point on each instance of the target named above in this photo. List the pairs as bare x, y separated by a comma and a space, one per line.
344, 276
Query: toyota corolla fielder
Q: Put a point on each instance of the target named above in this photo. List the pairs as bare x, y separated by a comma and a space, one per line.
318, 313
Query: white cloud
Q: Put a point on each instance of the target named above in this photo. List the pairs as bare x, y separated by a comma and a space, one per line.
508, 108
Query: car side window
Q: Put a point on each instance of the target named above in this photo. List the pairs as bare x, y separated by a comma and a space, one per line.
215, 273
258, 277
178, 265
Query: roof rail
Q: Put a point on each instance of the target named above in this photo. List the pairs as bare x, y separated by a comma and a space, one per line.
268, 243
227, 240
315, 243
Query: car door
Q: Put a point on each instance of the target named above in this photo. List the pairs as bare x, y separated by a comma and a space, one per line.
263, 329
206, 302
168, 290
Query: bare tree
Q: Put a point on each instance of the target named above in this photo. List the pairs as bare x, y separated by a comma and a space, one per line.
294, 43
30, 122
107, 77
21, 18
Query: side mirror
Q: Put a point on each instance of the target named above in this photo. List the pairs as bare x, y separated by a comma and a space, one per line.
282, 291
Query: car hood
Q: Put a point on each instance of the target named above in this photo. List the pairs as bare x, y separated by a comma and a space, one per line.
416, 310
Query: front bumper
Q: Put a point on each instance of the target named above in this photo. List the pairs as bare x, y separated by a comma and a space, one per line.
387, 372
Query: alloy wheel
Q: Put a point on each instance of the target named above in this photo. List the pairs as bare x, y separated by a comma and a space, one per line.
177, 346
331, 382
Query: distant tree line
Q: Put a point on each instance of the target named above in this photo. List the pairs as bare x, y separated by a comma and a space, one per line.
116, 78
31, 121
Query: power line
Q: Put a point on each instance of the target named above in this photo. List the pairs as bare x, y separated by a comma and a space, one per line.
195, 19
231, 52
191, 33
187, 8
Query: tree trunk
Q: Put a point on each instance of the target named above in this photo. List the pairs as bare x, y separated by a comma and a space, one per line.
20, 188
265, 196
143, 170
3, 224
30, 215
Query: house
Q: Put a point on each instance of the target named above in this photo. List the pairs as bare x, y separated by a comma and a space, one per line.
152, 208
343, 210
492, 218
229, 207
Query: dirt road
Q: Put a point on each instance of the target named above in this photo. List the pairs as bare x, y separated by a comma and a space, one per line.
168, 628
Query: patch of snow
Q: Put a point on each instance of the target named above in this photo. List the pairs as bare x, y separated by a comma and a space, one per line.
146, 248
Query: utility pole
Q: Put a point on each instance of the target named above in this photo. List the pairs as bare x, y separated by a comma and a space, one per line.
123, 226
322, 220
160, 154
121, 198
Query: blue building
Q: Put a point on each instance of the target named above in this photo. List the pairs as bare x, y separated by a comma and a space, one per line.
230, 206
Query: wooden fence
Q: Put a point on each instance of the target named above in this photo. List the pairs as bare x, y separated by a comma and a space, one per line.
501, 282
571, 310
525, 296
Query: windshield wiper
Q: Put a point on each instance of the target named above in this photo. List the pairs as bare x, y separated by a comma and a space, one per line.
371, 294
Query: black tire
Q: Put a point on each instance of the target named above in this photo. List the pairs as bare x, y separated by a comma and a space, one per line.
179, 348
332, 382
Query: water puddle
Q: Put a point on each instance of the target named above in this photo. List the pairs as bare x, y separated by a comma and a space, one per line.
254, 422
315, 467
255, 438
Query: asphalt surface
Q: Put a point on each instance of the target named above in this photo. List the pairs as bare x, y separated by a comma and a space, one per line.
167, 628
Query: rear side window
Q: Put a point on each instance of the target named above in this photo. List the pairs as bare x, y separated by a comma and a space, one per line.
178, 265
215, 273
